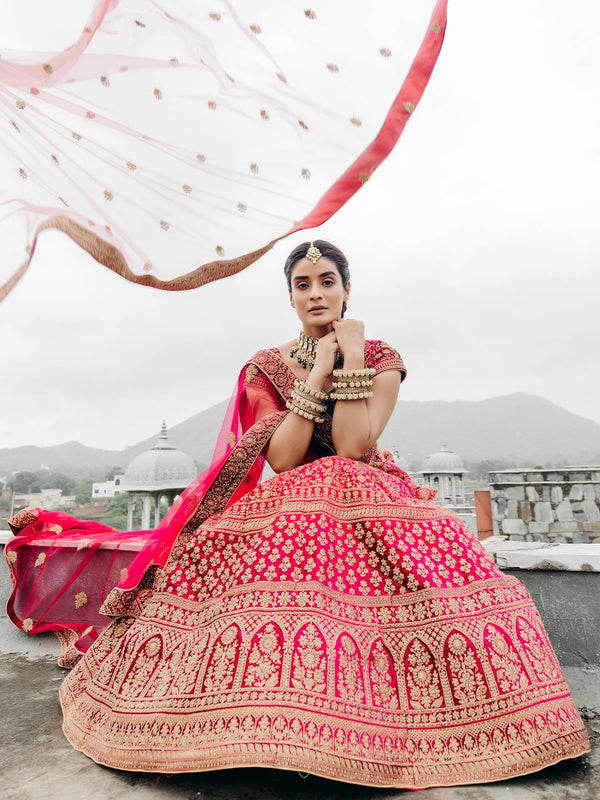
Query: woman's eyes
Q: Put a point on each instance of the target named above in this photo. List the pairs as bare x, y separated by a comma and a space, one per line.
326, 282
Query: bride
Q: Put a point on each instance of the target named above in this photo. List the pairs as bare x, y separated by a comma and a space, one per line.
332, 619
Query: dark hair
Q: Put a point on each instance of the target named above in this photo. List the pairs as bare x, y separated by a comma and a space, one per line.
327, 250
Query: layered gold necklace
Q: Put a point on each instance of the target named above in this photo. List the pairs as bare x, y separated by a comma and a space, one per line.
305, 350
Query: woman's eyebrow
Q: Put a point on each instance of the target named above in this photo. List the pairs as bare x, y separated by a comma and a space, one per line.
322, 275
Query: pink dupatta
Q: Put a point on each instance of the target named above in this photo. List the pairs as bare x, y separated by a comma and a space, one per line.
69, 576
177, 142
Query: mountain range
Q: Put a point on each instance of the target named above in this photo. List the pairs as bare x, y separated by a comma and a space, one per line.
519, 429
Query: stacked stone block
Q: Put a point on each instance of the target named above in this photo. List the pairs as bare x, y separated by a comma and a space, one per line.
557, 505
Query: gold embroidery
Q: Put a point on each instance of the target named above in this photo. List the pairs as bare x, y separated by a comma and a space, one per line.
264, 114
254, 169
219, 250
80, 599
466, 678
131, 166
108, 195
200, 157
303, 124
256, 29
22, 172
212, 105
281, 77
83, 543
410, 107
310, 14
363, 177
215, 16
423, 683
265, 659
27, 624
305, 173
11, 556
164, 225
20, 104
104, 80
356, 122
333, 68
76, 136
348, 679
385, 52
48, 69
40, 560
158, 94
242, 207
309, 661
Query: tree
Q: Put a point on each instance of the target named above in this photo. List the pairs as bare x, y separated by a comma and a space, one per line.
25, 483
57, 480
83, 492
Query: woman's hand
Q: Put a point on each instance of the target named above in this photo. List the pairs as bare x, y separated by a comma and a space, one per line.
350, 334
327, 350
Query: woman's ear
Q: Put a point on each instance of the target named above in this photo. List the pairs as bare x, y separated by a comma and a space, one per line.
347, 291
293, 305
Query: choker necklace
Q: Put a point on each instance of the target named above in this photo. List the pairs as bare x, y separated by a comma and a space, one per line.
304, 350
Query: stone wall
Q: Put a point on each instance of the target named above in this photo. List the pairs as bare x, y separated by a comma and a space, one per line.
547, 505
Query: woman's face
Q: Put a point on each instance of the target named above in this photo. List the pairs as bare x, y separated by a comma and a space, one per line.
317, 294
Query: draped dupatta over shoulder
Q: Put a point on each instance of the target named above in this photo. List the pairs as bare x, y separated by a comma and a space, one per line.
177, 141
70, 576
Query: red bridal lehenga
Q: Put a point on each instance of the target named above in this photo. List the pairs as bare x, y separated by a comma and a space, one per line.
332, 620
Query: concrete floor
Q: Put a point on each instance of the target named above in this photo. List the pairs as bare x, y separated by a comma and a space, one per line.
37, 762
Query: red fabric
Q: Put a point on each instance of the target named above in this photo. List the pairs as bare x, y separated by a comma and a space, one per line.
64, 569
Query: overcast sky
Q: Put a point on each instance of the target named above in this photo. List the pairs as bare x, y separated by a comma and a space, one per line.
475, 250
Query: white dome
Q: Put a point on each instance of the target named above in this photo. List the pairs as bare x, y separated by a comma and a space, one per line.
162, 467
445, 460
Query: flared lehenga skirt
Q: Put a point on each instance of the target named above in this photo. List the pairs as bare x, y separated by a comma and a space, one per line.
334, 623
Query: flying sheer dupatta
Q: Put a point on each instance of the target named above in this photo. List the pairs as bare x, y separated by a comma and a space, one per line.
70, 576
177, 141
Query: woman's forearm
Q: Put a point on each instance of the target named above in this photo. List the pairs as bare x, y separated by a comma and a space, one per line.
351, 428
291, 440
289, 443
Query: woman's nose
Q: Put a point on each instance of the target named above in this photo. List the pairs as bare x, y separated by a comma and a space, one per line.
315, 291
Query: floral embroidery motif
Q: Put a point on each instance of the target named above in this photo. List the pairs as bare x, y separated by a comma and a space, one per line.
266, 658
349, 682
540, 656
423, 685
508, 667
384, 688
309, 661
223, 661
467, 680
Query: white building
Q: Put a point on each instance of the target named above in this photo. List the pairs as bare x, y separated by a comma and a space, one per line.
102, 489
162, 471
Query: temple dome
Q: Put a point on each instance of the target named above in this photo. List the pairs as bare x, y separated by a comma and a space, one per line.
445, 460
161, 467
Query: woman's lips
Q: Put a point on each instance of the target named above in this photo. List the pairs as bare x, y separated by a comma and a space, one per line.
317, 310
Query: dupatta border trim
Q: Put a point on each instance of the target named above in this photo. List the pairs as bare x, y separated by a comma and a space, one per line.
119, 602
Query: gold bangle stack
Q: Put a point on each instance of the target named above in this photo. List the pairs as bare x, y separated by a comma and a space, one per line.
305, 402
352, 384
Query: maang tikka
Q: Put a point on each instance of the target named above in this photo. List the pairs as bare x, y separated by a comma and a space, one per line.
313, 253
